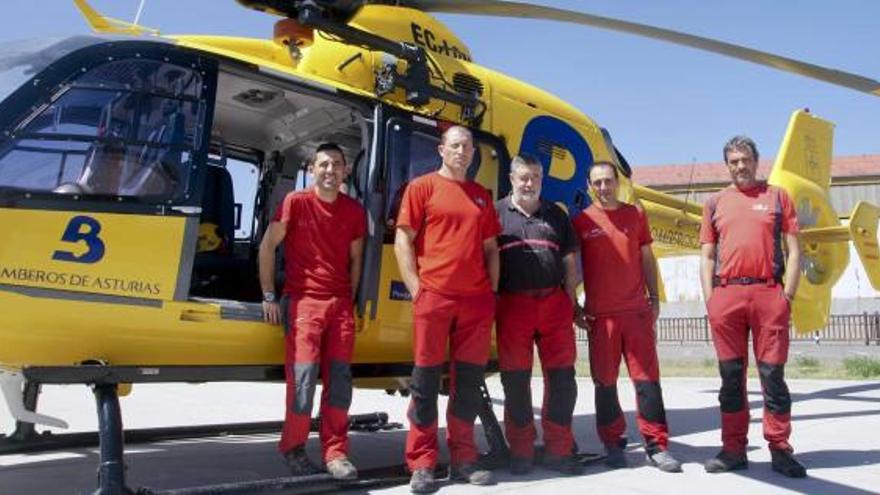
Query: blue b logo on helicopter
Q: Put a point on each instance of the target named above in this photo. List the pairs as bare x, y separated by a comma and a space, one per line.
82, 229
541, 134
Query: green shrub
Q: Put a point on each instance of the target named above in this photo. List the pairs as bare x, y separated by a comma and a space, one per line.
862, 366
807, 362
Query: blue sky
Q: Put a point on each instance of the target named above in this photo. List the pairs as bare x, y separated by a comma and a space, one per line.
662, 103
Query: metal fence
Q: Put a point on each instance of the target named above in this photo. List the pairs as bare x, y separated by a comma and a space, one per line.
861, 328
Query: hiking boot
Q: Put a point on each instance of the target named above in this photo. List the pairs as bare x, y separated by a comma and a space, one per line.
299, 464
727, 461
615, 458
472, 474
422, 481
521, 465
342, 469
564, 464
664, 461
784, 462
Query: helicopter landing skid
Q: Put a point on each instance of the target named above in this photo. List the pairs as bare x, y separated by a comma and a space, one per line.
26, 439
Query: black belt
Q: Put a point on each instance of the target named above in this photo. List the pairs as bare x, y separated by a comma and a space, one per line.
536, 293
720, 281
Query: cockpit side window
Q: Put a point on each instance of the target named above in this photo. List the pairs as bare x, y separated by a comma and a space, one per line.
127, 128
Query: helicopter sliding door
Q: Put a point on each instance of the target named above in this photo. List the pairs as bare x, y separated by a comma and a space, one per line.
98, 163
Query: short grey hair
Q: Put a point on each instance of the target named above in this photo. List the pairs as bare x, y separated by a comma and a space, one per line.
524, 160
741, 143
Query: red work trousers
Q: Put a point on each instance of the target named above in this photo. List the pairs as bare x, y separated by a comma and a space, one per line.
319, 338
464, 324
733, 311
524, 321
630, 335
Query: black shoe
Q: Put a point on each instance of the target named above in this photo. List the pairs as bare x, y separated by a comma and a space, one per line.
422, 481
614, 457
470, 473
726, 461
664, 461
521, 465
342, 469
565, 464
299, 464
784, 462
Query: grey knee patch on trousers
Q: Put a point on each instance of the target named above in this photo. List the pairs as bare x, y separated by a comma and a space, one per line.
305, 377
424, 387
650, 399
517, 396
607, 406
777, 399
466, 400
562, 395
732, 393
339, 386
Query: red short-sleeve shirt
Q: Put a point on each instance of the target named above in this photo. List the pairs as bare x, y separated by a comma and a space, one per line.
317, 242
451, 219
747, 227
611, 255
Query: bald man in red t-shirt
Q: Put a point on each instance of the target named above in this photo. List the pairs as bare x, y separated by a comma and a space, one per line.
620, 291
748, 283
448, 258
323, 235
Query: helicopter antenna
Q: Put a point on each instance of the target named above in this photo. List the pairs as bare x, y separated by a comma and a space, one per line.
690, 187
140, 10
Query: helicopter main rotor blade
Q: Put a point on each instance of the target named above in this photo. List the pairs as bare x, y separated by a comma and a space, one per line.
501, 8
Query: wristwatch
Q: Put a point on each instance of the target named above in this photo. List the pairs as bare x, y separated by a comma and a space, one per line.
269, 297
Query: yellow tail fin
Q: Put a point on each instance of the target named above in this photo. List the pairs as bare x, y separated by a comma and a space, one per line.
803, 169
863, 232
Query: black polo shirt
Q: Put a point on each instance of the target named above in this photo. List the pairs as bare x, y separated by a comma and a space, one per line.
532, 247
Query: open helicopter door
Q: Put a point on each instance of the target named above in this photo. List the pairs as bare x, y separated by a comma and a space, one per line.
99, 173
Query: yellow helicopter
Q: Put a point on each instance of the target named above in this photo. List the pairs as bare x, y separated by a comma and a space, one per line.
138, 171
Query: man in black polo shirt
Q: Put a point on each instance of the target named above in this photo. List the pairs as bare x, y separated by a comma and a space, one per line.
536, 306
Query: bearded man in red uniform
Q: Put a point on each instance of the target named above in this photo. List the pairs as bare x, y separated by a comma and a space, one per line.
448, 257
622, 306
748, 283
322, 231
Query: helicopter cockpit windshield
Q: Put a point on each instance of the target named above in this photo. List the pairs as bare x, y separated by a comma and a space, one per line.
125, 128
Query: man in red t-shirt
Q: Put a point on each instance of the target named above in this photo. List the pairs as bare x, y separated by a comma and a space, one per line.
448, 258
322, 231
621, 307
748, 283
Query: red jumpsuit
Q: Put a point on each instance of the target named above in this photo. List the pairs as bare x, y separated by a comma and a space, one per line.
616, 295
534, 310
453, 311
318, 318
747, 228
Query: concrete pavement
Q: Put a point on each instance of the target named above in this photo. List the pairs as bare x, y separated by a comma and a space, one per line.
836, 434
